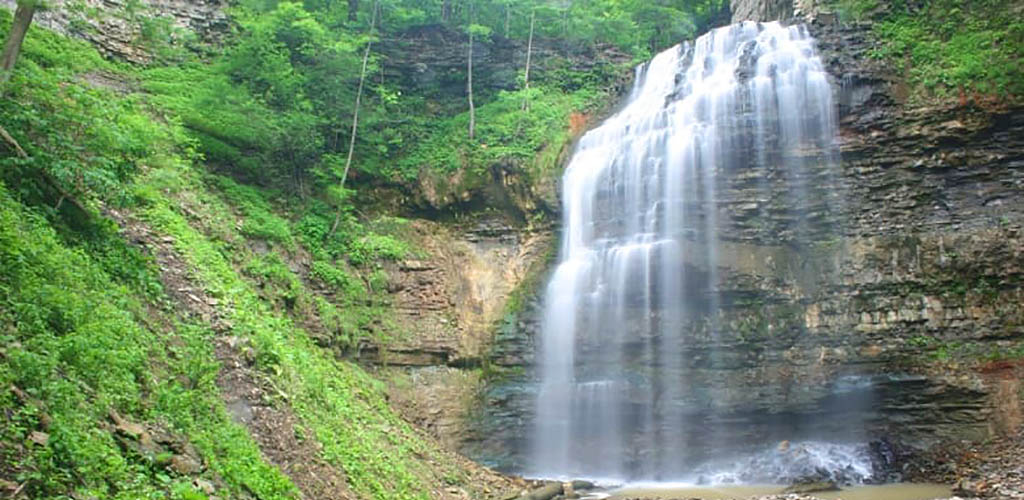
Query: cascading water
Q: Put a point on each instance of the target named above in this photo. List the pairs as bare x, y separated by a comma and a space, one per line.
640, 250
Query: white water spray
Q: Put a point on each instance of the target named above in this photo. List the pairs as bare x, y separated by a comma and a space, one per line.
641, 241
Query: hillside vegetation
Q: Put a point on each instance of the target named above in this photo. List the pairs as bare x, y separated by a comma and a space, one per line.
184, 240
947, 48
152, 219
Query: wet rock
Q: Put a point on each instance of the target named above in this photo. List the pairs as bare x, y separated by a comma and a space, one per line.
812, 487
568, 491
761, 10
931, 258
965, 487
546, 492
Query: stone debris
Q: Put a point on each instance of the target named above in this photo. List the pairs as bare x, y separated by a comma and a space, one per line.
994, 470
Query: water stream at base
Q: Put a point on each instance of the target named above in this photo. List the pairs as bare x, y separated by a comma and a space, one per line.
640, 250
904, 491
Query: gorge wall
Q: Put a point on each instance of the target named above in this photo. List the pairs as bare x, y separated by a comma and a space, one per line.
772, 10
912, 306
113, 28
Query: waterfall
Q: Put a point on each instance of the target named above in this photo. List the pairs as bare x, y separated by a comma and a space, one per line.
642, 239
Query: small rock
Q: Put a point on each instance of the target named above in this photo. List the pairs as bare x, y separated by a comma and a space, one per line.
812, 487
568, 491
45, 421
966, 488
147, 446
125, 427
204, 486
185, 466
222, 326
40, 438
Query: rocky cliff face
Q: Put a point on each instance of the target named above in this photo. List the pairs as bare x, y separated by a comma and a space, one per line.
450, 299
772, 10
430, 61
114, 26
760, 10
902, 318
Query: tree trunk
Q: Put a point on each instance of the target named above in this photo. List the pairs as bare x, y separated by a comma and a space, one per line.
353, 10
508, 16
355, 117
22, 19
446, 10
12, 143
529, 56
469, 79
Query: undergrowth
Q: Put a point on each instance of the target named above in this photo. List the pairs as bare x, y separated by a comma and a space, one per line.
80, 343
343, 406
86, 327
948, 49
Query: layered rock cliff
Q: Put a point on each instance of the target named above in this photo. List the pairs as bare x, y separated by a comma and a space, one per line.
902, 318
115, 26
772, 10
909, 296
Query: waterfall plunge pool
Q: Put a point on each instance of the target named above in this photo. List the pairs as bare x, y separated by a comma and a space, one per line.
899, 491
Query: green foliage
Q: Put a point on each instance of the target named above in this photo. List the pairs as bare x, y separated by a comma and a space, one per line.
270, 268
342, 406
75, 307
505, 134
948, 48
945, 350
634, 25
352, 240
336, 278
855, 10
372, 246
260, 220
67, 316
294, 64
78, 135
88, 320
